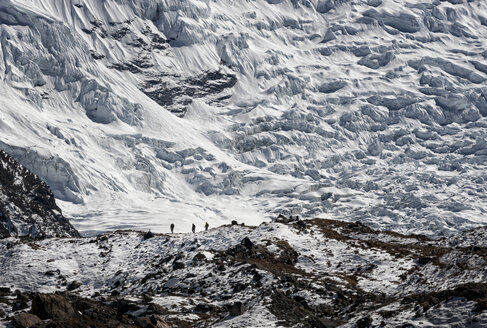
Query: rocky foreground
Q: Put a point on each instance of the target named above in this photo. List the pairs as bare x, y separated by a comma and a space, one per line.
286, 273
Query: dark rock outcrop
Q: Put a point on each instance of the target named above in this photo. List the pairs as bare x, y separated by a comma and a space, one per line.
64, 310
237, 309
50, 306
25, 320
27, 205
168, 96
247, 243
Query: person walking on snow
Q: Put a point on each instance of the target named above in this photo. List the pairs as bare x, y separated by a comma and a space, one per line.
206, 226
193, 228
172, 227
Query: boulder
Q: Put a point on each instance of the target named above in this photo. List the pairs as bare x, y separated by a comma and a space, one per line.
49, 306
74, 285
25, 320
151, 322
247, 243
148, 235
237, 309
424, 260
481, 306
199, 257
178, 265
204, 308
19, 305
158, 322
364, 322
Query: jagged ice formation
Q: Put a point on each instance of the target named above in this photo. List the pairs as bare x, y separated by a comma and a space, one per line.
140, 113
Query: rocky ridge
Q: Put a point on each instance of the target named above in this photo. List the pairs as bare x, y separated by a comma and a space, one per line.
290, 272
27, 205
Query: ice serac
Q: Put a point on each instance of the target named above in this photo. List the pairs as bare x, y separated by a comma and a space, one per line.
137, 113
27, 206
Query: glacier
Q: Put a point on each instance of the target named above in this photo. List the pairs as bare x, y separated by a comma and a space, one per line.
142, 113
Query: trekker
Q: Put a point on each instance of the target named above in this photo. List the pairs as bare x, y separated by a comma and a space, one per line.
172, 227
206, 226
193, 228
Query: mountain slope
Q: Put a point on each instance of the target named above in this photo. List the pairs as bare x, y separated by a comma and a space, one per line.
27, 206
141, 113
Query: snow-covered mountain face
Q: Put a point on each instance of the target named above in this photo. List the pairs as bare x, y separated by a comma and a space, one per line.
140, 113
27, 206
